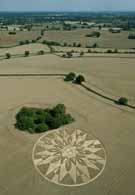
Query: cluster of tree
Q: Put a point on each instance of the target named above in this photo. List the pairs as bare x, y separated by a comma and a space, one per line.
25, 42
12, 32
112, 51
78, 79
69, 54
93, 34
37, 120
51, 43
131, 36
29, 41
71, 45
95, 45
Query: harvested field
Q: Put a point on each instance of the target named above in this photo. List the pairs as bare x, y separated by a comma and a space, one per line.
106, 40
111, 124
33, 48
7, 40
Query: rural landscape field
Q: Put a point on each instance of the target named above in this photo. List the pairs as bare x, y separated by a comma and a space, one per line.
81, 63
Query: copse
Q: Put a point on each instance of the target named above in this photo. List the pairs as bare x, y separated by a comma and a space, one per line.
70, 76
79, 79
38, 120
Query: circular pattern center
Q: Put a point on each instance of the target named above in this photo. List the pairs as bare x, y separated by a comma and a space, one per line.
69, 157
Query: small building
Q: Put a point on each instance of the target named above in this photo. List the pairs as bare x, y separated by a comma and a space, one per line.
115, 30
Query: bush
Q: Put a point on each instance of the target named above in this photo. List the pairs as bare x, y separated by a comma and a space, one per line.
123, 101
36, 120
69, 54
65, 44
33, 41
81, 53
109, 51
41, 52
79, 45
116, 50
74, 44
12, 33
70, 77
131, 36
38, 38
93, 34
21, 43
89, 51
8, 55
80, 79
64, 55
95, 45
51, 43
27, 42
26, 53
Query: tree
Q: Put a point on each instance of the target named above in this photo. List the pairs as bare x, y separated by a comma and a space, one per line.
70, 76
8, 55
123, 101
116, 50
109, 51
59, 109
89, 51
26, 53
64, 55
41, 52
21, 43
74, 44
69, 54
27, 41
79, 79
95, 45
26, 123
79, 45
65, 44
81, 53
33, 41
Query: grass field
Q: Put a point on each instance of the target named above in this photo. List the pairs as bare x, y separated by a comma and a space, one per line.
113, 125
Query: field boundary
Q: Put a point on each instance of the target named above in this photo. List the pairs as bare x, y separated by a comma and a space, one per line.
95, 92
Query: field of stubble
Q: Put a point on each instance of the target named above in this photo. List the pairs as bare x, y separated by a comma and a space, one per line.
110, 123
